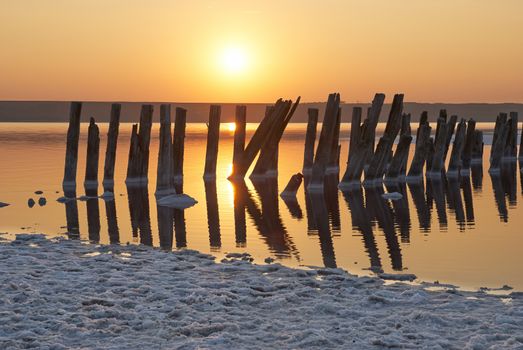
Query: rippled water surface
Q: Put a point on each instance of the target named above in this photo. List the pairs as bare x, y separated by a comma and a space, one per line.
466, 232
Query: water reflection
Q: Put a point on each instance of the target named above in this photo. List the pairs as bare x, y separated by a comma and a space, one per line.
213, 217
140, 217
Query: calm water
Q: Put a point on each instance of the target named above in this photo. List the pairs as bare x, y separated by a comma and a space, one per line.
465, 232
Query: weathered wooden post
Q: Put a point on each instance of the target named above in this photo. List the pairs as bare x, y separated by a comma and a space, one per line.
363, 146
213, 137
138, 166
501, 119
93, 154
378, 163
405, 130
451, 127
112, 142
455, 162
310, 139
239, 133
71, 151
355, 131
438, 165
466, 156
423, 145
179, 143
164, 174
268, 154
333, 163
477, 148
399, 158
292, 187
496, 153
511, 148
324, 148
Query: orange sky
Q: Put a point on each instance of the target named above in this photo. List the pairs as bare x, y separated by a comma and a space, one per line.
159, 50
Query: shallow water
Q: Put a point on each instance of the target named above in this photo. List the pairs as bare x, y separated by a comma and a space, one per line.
465, 232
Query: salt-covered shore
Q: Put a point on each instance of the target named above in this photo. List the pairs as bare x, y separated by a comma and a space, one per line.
59, 294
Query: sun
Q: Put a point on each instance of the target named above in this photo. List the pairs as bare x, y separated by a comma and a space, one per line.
234, 60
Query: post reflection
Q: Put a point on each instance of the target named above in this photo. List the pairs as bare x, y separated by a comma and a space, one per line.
417, 192
401, 209
138, 197
384, 215
213, 217
71, 214
362, 222
455, 202
321, 218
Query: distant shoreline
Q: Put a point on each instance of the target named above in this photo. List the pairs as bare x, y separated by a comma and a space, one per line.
58, 111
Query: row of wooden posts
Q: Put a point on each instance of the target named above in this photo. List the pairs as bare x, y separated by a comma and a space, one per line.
377, 163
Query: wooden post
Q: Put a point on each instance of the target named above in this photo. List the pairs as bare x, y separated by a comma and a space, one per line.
439, 150
355, 132
268, 154
179, 143
333, 164
405, 130
451, 126
138, 166
399, 158
93, 154
213, 137
71, 151
310, 138
239, 133
363, 146
293, 186
164, 175
466, 156
377, 166
455, 162
112, 142
324, 148
498, 147
501, 119
423, 145
477, 148
511, 148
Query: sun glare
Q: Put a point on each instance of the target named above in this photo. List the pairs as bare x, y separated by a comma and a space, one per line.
234, 60
231, 126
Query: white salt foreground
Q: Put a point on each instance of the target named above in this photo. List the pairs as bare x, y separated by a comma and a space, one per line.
59, 294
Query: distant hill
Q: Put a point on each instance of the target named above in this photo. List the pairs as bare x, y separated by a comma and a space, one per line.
57, 111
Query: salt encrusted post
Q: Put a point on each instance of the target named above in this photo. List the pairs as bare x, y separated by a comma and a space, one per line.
213, 137
498, 147
293, 186
438, 165
477, 148
324, 148
178, 143
362, 147
423, 144
93, 154
239, 133
71, 151
138, 166
164, 176
377, 166
511, 148
355, 131
466, 156
455, 162
310, 138
112, 141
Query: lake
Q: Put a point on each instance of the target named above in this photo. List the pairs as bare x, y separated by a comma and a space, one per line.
464, 232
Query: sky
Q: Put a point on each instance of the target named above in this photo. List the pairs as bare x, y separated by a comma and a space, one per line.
258, 51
